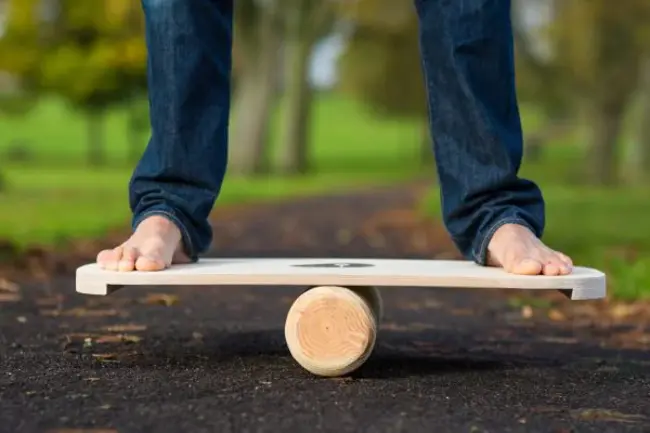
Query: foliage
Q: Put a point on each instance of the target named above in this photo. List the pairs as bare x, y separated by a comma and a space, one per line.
90, 53
381, 65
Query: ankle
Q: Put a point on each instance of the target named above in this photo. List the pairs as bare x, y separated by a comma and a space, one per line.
158, 221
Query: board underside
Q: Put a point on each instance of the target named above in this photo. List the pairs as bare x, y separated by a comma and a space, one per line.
582, 284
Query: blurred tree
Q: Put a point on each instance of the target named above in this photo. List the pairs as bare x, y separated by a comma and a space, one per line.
590, 67
381, 66
256, 66
92, 54
640, 153
542, 83
606, 50
305, 22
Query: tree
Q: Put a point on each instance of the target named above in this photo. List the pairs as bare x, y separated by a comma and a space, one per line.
591, 67
305, 22
542, 83
257, 48
640, 154
92, 54
381, 66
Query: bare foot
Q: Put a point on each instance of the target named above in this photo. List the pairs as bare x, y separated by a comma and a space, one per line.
154, 246
517, 250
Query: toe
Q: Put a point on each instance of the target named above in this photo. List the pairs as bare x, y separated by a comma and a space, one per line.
109, 259
552, 269
149, 264
557, 264
526, 266
127, 261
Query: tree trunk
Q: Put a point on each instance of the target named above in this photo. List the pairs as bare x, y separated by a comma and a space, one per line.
644, 134
254, 98
606, 124
640, 155
95, 131
305, 21
293, 158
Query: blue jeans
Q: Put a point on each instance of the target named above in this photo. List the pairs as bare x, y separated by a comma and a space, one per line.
467, 56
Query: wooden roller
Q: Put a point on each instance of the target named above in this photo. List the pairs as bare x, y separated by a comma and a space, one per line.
331, 330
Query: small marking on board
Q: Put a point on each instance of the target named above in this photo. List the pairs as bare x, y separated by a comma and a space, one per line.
335, 265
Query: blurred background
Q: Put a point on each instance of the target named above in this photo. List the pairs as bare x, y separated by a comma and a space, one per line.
327, 95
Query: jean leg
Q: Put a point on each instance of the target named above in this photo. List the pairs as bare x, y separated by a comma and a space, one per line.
189, 64
468, 63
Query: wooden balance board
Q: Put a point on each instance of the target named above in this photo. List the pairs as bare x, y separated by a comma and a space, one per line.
331, 328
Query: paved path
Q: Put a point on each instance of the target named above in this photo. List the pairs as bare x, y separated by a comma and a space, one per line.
214, 359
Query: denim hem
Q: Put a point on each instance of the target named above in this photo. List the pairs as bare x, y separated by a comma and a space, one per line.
188, 245
480, 253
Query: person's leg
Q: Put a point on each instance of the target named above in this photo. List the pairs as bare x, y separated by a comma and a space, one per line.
494, 216
176, 183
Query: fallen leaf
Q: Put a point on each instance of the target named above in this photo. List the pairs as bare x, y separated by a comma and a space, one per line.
129, 327
80, 312
8, 286
10, 297
79, 335
606, 415
526, 312
105, 357
556, 315
546, 409
432, 303
161, 299
118, 338
622, 311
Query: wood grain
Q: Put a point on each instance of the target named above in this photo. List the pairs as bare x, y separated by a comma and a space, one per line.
331, 331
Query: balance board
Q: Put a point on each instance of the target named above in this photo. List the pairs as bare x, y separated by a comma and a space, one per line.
331, 328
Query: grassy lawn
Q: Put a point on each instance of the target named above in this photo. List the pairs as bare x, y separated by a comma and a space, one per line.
53, 197
345, 137
598, 227
48, 206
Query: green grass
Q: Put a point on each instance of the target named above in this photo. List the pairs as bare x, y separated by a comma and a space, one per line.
53, 197
598, 227
52, 206
346, 138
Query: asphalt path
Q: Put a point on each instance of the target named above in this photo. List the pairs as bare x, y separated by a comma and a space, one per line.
209, 359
